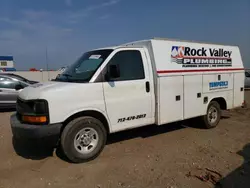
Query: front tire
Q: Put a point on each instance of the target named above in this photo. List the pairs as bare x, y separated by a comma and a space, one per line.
83, 139
212, 118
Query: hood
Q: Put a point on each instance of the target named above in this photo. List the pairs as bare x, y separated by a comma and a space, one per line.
39, 90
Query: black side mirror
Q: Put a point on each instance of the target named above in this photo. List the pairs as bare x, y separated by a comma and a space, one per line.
18, 87
113, 72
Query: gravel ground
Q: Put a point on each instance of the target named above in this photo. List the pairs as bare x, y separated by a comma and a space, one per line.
175, 155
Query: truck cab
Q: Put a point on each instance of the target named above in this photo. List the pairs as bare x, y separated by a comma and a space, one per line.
112, 87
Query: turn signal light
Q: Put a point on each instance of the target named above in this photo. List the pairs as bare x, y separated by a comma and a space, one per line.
34, 119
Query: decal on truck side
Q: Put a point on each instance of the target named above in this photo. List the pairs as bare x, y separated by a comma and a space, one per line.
218, 85
201, 57
131, 118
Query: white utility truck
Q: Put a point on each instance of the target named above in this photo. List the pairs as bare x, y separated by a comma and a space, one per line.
111, 89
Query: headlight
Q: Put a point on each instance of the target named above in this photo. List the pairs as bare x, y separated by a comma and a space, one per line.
33, 111
39, 107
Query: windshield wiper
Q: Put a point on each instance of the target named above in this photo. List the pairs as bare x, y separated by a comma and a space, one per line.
77, 80
60, 79
67, 75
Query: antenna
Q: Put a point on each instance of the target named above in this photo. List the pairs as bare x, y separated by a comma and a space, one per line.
47, 62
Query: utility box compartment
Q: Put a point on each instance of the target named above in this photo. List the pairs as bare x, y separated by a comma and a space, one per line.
238, 89
217, 82
170, 99
193, 97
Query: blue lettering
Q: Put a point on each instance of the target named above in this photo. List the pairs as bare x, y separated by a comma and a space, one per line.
218, 84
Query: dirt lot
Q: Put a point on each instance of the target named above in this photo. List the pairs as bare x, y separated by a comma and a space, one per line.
157, 157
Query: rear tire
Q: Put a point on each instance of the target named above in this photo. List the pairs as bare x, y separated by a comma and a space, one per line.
83, 139
212, 118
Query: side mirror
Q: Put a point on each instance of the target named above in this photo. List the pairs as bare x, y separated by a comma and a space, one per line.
18, 87
113, 72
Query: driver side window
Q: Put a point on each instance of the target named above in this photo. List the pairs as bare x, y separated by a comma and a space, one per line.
130, 65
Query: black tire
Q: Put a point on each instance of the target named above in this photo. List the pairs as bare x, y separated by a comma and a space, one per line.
208, 124
69, 133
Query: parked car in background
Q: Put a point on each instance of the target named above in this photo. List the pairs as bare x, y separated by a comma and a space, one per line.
10, 86
247, 79
18, 77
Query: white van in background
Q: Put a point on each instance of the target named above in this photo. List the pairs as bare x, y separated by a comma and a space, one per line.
107, 90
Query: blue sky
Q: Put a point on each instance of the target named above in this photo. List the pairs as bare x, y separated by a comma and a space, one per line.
70, 27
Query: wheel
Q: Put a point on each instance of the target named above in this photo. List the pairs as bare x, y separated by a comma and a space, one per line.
212, 118
83, 139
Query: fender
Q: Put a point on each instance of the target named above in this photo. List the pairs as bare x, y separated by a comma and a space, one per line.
89, 109
222, 102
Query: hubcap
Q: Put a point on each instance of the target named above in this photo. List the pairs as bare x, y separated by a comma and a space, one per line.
212, 115
86, 140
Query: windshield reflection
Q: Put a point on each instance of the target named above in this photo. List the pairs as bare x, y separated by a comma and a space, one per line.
85, 67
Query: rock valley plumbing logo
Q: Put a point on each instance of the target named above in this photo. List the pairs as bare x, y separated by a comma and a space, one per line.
201, 57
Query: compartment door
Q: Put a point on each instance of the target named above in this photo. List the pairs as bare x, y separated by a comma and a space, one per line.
171, 99
238, 89
193, 99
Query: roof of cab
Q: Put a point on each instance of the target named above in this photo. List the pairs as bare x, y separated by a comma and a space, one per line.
103, 48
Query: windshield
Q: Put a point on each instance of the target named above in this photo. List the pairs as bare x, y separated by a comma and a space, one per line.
85, 67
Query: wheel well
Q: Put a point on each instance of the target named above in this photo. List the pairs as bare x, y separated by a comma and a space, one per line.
222, 102
92, 113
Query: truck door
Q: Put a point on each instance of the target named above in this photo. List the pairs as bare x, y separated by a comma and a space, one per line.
129, 97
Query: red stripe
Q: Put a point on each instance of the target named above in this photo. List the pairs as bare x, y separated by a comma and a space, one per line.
188, 57
197, 70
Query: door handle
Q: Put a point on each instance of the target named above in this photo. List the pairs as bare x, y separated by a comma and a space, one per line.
1, 90
178, 98
147, 87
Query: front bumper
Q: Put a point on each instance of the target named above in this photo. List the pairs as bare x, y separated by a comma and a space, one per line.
27, 131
